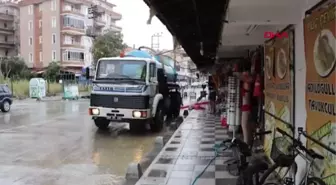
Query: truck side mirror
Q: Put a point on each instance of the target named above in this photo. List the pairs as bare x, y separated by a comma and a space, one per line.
160, 75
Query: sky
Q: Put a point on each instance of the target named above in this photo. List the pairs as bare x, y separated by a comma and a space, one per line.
136, 32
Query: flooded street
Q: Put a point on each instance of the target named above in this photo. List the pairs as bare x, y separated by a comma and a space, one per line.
56, 143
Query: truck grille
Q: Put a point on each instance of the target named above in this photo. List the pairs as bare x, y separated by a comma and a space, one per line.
108, 101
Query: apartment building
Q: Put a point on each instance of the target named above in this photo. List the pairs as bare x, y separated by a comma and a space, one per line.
9, 29
56, 30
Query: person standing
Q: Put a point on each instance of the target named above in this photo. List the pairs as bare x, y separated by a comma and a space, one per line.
249, 104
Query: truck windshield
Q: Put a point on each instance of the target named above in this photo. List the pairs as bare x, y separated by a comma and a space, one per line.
121, 69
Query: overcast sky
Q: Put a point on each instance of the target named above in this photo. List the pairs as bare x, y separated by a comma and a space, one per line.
136, 32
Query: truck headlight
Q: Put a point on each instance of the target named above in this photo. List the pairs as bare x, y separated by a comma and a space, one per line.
140, 114
94, 111
137, 114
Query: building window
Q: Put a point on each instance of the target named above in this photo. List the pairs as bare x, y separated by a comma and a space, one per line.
53, 22
40, 23
53, 5
53, 41
30, 41
41, 56
40, 7
73, 56
31, 57
72, 22
53, 55
30, 9
30, 25
40, 39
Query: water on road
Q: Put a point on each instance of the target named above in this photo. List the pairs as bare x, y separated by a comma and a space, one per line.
56, 143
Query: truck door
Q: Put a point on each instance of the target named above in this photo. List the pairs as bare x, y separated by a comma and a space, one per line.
152, 81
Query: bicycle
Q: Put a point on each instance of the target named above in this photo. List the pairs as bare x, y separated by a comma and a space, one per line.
309, 155
251, 175
243, 151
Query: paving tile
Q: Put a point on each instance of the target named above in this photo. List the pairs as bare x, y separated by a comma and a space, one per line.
165, 160
224, 175
190, 151
207, 153
225, 181
193, 161
152, 181
181, 174
204, 175
206, 182
221, 167
179, 181
157, 173
171, 148
199, 168
184, 167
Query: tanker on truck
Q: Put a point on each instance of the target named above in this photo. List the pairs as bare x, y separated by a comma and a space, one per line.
137, 87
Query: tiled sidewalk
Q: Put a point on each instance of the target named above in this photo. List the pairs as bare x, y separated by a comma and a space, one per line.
188, 152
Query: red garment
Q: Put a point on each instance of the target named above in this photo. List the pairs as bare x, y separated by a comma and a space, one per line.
246, 108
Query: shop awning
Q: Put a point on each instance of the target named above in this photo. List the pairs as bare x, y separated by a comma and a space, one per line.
196, 24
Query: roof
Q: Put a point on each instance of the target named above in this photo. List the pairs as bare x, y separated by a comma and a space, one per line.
195, 23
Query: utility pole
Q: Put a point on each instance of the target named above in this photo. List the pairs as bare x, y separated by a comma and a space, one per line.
155, 41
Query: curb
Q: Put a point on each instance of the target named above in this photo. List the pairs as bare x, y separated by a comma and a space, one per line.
134, 173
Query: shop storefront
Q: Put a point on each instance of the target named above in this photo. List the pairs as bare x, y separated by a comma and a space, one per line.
320, 99
279, 90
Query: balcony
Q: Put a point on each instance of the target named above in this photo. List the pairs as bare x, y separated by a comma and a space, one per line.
73, 63
100, 22
72, 30
115, 28
6, 16
72, 58
116, 16
74, 11
75, 2
72, 44
6, 43
6, 31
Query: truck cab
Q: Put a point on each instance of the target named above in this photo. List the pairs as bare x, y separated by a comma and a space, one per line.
129, 89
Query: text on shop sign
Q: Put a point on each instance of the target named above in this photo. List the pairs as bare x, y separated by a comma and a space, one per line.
271, 35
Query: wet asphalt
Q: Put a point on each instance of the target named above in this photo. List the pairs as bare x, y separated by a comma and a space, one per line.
56, 143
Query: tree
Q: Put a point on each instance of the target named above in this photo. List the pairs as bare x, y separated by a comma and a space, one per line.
52, 71
109, 44
13, 67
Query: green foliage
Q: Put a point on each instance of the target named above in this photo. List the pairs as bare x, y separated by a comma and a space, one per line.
14, 67
52, 71
109, 44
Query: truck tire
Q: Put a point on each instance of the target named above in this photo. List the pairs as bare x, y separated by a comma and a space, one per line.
137, 126
157, 123
102, 123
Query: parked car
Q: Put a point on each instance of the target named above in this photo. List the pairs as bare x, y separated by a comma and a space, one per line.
5, 98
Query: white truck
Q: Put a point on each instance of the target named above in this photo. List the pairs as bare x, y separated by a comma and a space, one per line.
135, 88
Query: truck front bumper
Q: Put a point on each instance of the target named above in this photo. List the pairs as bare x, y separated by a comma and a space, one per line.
117, 114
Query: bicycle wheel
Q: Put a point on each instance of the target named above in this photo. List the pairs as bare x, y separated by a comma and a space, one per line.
315, 181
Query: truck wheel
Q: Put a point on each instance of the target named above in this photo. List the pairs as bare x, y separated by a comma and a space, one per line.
102, 123
137, 126
157, 124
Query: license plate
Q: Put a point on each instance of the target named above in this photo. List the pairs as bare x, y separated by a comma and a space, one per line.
114, 118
